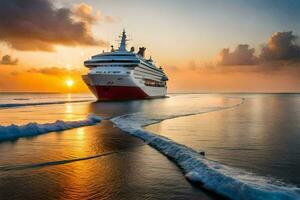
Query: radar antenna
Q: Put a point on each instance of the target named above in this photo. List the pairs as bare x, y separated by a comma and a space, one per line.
123, 42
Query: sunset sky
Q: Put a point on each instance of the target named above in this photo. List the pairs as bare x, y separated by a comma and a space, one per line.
203, 45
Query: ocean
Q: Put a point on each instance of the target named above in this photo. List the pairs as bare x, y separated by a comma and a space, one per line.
185, 146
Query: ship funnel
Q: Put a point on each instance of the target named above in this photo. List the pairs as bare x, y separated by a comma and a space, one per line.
141, 51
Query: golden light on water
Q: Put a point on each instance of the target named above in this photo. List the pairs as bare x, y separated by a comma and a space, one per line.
69, 82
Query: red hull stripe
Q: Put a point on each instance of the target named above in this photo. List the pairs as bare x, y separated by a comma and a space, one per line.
118, 92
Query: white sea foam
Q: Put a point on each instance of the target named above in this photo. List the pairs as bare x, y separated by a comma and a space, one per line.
224, 180
14, 131
12, 105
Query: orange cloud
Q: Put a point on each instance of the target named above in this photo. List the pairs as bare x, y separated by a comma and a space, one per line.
232, 79
242, 55
54, 71
35, 25
50, 79
110, 19
84, 12
8, 60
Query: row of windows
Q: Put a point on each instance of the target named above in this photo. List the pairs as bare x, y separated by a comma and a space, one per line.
142, 77
145, 74
110, 61
114, 65
109, 55
153, 83
143, 66
143, 71
151, 67
140, 72
110, 72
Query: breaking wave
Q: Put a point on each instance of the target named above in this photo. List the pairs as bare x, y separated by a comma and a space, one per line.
15, 131
224, 180
13, 105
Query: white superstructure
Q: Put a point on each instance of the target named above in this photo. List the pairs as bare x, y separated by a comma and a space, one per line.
122, 74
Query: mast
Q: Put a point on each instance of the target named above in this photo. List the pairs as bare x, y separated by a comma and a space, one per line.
123, 44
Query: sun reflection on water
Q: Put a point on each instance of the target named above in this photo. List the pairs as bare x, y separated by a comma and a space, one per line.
80, 134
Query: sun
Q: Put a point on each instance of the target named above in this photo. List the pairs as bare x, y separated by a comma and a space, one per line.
69, 82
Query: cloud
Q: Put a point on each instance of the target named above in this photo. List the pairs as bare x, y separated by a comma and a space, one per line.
50, 79
280, 52
84, 12
53, 71
198, 66
36, 25
171, 68
281, 46
242, 55
110, 19
8, 60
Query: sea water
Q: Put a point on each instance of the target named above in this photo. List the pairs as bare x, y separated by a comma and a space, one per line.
251, 140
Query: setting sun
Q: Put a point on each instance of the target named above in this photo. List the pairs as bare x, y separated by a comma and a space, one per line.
69, 82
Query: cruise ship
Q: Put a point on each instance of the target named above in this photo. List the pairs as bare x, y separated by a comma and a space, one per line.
123, 74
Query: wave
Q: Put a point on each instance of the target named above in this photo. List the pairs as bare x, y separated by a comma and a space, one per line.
14, 131
21, 99
62, 162
226, 181
13, 105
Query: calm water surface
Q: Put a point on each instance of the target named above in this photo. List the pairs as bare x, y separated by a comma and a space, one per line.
260, 135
